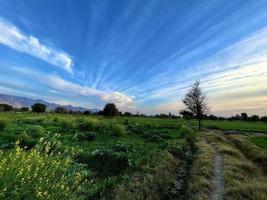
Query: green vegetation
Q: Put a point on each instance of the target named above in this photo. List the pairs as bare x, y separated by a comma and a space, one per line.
233, 125
260, 141
55, 156
110, 153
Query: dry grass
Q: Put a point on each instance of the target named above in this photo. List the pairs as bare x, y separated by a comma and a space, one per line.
251, 151
155, 183
243, 180
200, 183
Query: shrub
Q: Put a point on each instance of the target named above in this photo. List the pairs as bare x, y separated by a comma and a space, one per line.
105, 162
88, 136
135, 128
2, 125
117, 130
37, 174
88, 125
67, 125
36, 131
26, 140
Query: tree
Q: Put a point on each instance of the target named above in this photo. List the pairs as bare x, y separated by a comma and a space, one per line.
24, 109
110, 110
264, 119
38, 107
61, 110
195, 102
127, 114
5, 107
87, 112
186, 114
244, 116
254, 118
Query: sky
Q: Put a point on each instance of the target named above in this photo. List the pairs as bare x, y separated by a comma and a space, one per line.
141, 55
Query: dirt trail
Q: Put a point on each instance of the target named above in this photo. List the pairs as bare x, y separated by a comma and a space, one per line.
218, 182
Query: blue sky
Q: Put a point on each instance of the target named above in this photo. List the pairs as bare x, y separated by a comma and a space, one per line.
142, 55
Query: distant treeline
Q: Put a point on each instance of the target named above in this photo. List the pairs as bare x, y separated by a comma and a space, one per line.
241, 117
110, 109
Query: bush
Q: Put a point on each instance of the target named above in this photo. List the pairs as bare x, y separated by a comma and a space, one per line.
2, 125
88, 136
37, 174
105, 162
36, 131
67, 125
88, 125
117, 130
26, 140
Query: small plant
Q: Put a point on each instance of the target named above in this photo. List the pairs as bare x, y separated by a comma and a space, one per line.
2, 125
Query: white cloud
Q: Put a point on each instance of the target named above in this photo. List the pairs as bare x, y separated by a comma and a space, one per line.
14, 38
120, 99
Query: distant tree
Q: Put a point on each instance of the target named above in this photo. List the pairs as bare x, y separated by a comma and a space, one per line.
186, 114
212, 117
5, 107
38, 107
221, 118
127, 114
87, 112
244, 116
61, 110
195, 102
254, 118
264, 119
24, 109
110, 110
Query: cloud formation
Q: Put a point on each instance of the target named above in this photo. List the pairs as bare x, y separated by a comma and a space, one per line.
14, 38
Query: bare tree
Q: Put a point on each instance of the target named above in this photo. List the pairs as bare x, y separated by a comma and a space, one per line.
195, 101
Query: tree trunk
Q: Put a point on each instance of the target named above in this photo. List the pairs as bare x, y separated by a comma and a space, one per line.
199, 124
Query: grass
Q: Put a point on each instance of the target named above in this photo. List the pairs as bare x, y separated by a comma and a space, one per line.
260, 142
233, 125
201, 173
112, 152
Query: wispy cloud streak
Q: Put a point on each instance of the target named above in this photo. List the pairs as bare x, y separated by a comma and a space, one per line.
14, 38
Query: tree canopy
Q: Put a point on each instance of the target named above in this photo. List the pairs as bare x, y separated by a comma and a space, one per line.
195, 101
38, 107
110, 109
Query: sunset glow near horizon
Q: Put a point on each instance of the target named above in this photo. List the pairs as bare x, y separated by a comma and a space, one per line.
141, 55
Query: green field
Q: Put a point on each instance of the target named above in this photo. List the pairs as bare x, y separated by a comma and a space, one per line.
63, 156
106, 152
233, 125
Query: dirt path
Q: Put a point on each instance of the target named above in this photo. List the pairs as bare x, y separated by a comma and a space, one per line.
218, 182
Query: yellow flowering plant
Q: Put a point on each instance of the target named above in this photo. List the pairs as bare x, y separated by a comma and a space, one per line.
42, 172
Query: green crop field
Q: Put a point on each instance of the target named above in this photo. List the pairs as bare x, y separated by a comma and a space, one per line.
102, 152
233, 125
63, 156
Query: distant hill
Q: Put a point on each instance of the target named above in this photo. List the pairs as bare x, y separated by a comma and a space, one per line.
17, 101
